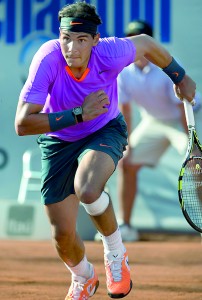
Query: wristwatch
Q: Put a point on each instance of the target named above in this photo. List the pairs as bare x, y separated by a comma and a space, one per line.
77, 112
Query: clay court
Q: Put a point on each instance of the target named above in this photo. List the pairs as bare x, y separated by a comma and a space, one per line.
163, 267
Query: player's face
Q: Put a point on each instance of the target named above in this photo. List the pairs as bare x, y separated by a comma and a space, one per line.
76, 47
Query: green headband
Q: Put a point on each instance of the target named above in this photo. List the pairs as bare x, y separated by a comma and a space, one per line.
78, 25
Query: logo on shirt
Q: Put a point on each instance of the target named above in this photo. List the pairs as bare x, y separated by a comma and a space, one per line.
127, 263
102, 71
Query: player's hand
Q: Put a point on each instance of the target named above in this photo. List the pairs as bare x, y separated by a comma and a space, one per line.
94, 105
185, 89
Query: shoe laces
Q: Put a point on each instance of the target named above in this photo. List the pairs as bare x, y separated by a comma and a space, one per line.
77, 287
115, 266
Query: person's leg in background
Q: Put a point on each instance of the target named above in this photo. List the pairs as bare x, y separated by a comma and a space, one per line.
127, 190
147, 143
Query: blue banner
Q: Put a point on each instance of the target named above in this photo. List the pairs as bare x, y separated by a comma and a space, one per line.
21, 18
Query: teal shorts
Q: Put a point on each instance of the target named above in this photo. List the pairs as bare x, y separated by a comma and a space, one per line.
60, 159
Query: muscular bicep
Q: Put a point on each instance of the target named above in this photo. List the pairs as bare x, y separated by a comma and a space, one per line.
24, 110
149, 48
140, 43
29, 120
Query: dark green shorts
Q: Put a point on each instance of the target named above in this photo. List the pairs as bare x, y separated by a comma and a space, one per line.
60, 158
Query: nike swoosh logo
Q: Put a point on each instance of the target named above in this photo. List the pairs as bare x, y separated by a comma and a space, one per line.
100, 72
176, 74
75, 23
103, 145
127, 263
59, 118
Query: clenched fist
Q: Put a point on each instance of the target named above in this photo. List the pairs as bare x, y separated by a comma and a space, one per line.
94, 105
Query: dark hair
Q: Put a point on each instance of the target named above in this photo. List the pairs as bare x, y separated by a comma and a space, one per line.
138, 27
80, 10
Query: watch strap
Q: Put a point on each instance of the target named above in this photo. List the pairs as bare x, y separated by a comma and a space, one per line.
78, 116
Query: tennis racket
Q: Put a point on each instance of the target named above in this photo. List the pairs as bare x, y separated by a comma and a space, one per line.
190, 177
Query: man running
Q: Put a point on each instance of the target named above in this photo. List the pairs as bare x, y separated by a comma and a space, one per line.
70, 99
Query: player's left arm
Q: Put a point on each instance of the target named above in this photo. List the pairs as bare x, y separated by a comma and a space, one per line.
148, 47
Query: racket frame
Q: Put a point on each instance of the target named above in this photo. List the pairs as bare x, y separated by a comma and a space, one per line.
192, 139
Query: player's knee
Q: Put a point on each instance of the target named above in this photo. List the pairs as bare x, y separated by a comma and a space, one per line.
63, 235
98, 206
87, 194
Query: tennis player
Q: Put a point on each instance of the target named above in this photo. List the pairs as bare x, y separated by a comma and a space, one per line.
162, 124
70, 99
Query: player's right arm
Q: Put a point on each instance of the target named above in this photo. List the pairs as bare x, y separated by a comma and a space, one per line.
29, 120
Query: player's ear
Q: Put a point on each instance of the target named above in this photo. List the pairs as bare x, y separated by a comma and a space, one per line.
96, 39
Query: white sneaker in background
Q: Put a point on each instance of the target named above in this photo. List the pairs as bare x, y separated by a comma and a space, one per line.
97, 237
128, 233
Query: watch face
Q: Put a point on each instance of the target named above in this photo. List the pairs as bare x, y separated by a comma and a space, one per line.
77, 110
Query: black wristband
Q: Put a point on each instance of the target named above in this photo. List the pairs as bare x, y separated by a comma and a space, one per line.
174, 71
60, 120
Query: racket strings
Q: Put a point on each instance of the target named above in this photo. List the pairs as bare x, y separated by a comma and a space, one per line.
192, 190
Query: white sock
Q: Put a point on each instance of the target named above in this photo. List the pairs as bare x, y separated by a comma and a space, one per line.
83, 269
113, 242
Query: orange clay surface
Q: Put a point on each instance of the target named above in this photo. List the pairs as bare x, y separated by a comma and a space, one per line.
162, 267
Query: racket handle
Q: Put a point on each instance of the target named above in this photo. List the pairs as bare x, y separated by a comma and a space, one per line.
189, 113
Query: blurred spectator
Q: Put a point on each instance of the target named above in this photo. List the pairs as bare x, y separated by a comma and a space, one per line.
162, 124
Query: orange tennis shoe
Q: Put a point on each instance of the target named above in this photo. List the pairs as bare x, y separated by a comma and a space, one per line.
117, 269
82, 289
